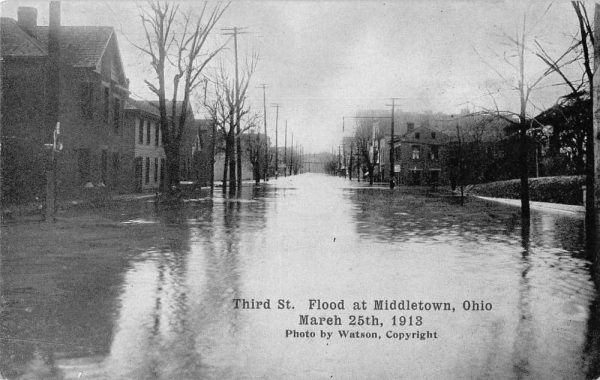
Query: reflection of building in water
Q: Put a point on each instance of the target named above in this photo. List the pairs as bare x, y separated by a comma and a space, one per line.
175, 310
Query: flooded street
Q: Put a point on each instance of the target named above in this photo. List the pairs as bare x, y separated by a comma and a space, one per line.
144, 292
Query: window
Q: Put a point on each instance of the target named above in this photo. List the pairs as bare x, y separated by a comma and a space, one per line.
433, 135
155, 169
106, 104
147, 177
417, 135
416, 152
147, 132
87, 99
116, 114
141, 131
156, 136
434, 154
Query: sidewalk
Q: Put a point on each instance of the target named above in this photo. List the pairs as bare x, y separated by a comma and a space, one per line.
544, 206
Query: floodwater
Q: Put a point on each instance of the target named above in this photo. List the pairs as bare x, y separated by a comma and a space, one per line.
145, 292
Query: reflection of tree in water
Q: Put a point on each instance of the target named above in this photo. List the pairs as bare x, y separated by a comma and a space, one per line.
204, 323
592, 341
172, 326
554, 230
524, 335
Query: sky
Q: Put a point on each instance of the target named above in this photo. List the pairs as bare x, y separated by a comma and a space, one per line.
325, 60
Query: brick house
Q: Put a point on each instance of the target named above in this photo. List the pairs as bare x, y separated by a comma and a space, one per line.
67, 74
418, 152
145, 159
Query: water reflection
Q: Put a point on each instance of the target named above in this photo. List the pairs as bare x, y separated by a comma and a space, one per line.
146, 292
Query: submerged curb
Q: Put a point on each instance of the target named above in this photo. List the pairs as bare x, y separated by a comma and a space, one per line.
544, 206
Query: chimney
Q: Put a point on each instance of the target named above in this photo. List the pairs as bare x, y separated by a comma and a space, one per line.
410, 127
54, 18
54, 33
27, 19
53, 84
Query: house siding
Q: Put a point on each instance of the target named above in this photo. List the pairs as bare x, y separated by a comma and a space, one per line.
26, 128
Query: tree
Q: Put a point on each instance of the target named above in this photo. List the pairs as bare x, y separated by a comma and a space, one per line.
565, 134
580, 97
365, 137
255, 147
228, 112
521, 121
176, 42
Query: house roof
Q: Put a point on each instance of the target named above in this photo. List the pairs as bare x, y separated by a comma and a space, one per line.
15, 42
81, 46
425, 136
141, 105
151, 107
170, 107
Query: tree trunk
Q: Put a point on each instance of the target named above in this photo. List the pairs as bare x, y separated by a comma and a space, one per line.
256, 171
523, 147
172, 166
232, 160
239, 157
212, 157
350, 168
371, 173
226, 162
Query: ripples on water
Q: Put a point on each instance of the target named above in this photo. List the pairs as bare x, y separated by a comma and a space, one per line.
149, 294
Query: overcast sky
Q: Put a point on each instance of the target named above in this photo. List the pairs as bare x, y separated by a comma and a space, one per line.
325, 60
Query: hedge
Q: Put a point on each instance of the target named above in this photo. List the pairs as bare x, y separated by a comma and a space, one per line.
563, 189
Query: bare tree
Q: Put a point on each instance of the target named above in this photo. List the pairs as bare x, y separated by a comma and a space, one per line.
581, 54
515, 57
255, 147
176, 42
228, 113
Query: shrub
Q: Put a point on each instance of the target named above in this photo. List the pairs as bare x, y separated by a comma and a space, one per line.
564, 189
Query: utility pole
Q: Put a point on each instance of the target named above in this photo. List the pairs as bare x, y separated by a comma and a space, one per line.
266, 168
276, 105
392, 171
285, 152
344, 147
292, 155
234, 32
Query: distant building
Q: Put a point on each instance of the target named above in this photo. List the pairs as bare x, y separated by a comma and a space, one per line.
418, 155
67, 74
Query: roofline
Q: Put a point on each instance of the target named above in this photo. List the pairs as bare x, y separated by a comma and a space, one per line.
99, 62
141, 111
34, 41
